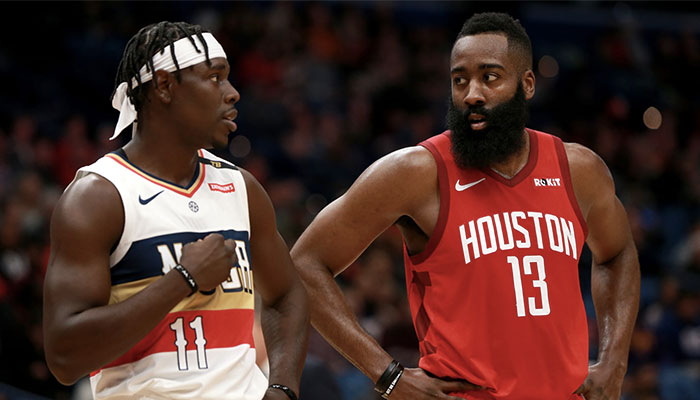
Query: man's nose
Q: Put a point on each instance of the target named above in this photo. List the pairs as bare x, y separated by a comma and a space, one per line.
474, 95
232, 96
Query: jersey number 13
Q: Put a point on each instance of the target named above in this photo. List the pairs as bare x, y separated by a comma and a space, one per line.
528, 261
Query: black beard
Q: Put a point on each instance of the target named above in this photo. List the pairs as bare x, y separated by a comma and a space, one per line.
502, 136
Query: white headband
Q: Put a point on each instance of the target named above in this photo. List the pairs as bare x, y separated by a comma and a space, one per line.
186, 55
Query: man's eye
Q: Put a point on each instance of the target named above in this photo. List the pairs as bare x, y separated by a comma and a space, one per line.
459, 81
214, 78
490, 77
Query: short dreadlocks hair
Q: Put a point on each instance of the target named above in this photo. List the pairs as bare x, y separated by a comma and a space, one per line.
144, 45
491, 22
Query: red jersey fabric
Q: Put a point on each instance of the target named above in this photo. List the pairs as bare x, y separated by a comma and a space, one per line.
495, 295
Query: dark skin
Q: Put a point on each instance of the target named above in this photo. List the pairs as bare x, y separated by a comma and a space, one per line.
484, 70
82, 331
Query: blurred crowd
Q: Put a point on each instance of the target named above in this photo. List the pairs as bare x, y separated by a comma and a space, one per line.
326, 88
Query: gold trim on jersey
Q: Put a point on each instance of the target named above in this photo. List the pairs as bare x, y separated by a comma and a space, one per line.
189, 191
219, 300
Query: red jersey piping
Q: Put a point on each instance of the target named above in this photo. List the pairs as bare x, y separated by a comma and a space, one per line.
566, 176
444, 185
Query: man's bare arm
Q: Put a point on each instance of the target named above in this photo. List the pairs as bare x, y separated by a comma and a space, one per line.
285, 312
402, 183
82, 331
615, 271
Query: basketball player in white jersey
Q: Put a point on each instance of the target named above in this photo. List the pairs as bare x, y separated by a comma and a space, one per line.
158, 248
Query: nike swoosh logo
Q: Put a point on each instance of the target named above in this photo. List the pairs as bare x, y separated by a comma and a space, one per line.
148, 200
460, 188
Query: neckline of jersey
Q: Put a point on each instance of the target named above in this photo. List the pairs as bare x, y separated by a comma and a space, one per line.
188, 190
525, 170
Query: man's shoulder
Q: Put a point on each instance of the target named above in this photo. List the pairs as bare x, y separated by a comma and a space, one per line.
89, 185
404, 174
590, 177
413, 159
582, 158
90, 202
420, 157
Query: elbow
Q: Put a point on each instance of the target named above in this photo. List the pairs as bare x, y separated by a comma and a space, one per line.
63, 367
62, 372
314, 273
67, 356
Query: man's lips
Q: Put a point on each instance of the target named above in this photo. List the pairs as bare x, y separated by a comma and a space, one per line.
231, 114
229, 117
477, 121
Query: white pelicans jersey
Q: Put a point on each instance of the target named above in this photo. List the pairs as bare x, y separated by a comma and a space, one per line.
203, 349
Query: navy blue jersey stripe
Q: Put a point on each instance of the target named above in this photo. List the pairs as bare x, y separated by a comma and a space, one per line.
143, 259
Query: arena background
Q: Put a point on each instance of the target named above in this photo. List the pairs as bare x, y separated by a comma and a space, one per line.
326, 88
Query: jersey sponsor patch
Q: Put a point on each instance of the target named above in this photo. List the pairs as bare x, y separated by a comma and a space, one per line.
226, 188
547, 182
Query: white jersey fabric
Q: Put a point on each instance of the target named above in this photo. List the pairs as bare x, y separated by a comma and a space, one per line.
204, 348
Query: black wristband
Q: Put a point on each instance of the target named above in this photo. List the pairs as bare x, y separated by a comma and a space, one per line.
289, 392
386, 383
188, 278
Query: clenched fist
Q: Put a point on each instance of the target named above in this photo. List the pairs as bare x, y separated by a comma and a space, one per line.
209, 260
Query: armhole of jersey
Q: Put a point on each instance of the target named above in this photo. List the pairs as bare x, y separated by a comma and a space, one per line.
238, 174
444, 187
121, 199
566, 175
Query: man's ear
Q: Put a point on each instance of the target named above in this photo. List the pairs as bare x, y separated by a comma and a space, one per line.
163, 85
528, 81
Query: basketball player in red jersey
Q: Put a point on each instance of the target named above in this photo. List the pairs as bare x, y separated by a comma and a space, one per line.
493, 217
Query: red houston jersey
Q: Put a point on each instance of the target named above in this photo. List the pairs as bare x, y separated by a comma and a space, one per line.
495, 295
